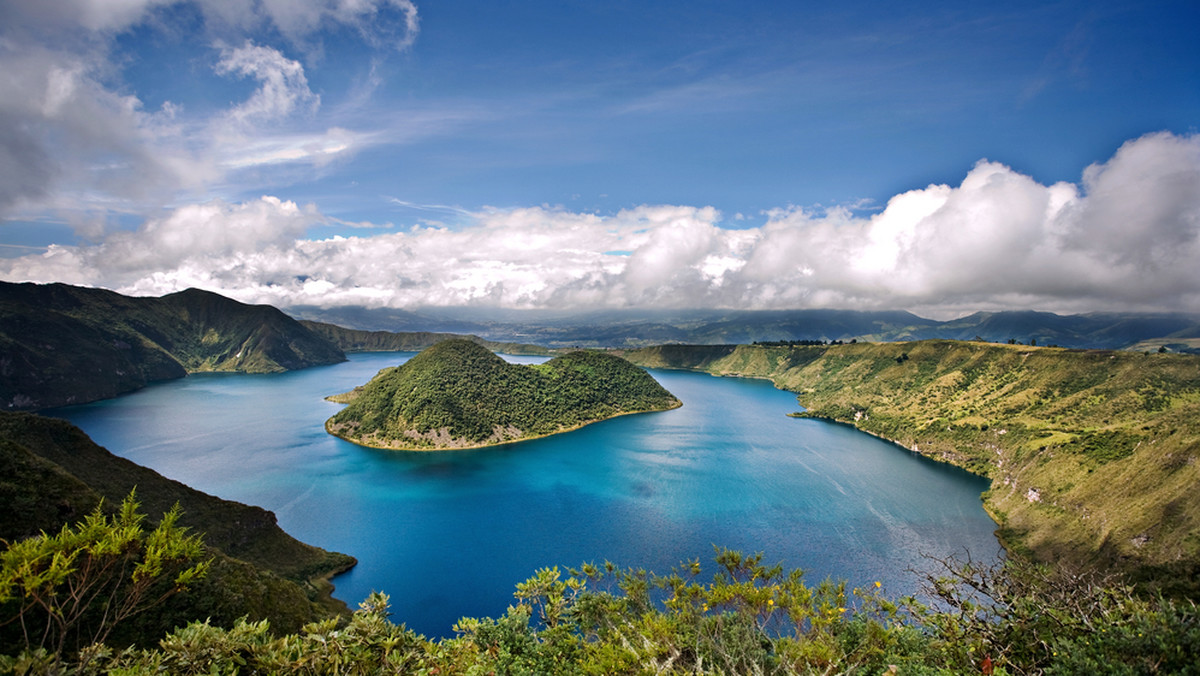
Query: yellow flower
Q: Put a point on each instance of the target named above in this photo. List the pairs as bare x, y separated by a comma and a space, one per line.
878, 584
770, 602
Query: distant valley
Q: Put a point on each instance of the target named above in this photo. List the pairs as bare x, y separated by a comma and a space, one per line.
640, 328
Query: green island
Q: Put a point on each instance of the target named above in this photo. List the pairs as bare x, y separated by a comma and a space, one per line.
457, 394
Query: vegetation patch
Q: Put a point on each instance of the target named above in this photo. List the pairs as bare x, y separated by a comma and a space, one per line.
457, 394
1106, 446
1086, 448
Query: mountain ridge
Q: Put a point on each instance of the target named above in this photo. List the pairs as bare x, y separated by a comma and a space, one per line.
644, 328
63, 344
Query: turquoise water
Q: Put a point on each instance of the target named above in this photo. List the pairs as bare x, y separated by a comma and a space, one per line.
450, 534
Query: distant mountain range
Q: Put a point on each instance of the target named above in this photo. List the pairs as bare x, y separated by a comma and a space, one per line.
637, 328
62, 344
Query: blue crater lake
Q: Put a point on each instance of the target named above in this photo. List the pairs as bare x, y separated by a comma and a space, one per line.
450, 534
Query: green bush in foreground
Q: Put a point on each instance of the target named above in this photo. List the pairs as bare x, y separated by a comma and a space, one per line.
747, 618
73, 588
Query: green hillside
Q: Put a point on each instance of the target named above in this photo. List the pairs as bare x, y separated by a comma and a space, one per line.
52, 474
1094, 456
457, 394
354, 340
63, 344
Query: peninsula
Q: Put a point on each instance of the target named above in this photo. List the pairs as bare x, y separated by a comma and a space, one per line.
457, 394
1092, 453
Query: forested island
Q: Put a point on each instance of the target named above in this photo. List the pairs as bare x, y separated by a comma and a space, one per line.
457, 394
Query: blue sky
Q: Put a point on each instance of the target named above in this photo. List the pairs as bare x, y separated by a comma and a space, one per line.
937, 157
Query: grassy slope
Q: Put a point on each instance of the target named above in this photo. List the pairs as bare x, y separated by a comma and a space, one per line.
457, 394
63, 344
56, 474
354, 340
1093, 454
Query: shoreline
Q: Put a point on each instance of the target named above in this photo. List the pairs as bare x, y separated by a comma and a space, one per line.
324, 588
508, 442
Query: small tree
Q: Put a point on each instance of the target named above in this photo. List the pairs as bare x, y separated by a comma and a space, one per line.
73, 588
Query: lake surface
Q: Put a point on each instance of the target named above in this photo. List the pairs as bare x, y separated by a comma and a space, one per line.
450, 534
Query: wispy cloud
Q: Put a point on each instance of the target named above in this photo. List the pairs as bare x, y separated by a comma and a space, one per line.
444, 208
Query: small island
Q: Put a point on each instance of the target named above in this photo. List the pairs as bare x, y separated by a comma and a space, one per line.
457, 394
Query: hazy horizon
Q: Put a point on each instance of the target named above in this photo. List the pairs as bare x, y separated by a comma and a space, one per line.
938, 159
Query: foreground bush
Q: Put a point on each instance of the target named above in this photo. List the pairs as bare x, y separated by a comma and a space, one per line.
73, 588
746, 618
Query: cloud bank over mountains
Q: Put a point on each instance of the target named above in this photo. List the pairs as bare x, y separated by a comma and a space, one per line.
176, 143
1125, 237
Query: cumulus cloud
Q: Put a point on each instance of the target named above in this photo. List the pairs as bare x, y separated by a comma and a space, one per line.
62, 127
195, 245
1126, 237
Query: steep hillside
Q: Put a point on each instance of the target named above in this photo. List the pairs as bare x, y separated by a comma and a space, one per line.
354, 340
63, 344
1094, 455
457, 394
52, 474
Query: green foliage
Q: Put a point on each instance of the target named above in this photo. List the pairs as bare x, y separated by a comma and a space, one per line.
1106, 441
457, 393
747, 618
51, 474
1106, 446
74, 587
1037, 619
68, 473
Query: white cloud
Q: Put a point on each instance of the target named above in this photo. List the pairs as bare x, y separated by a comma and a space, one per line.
282, 84
63, 133
1127, 237
395, 22
78, 143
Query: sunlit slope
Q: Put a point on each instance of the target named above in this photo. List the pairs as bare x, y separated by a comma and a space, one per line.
355, 340
457, 394
1094, 455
